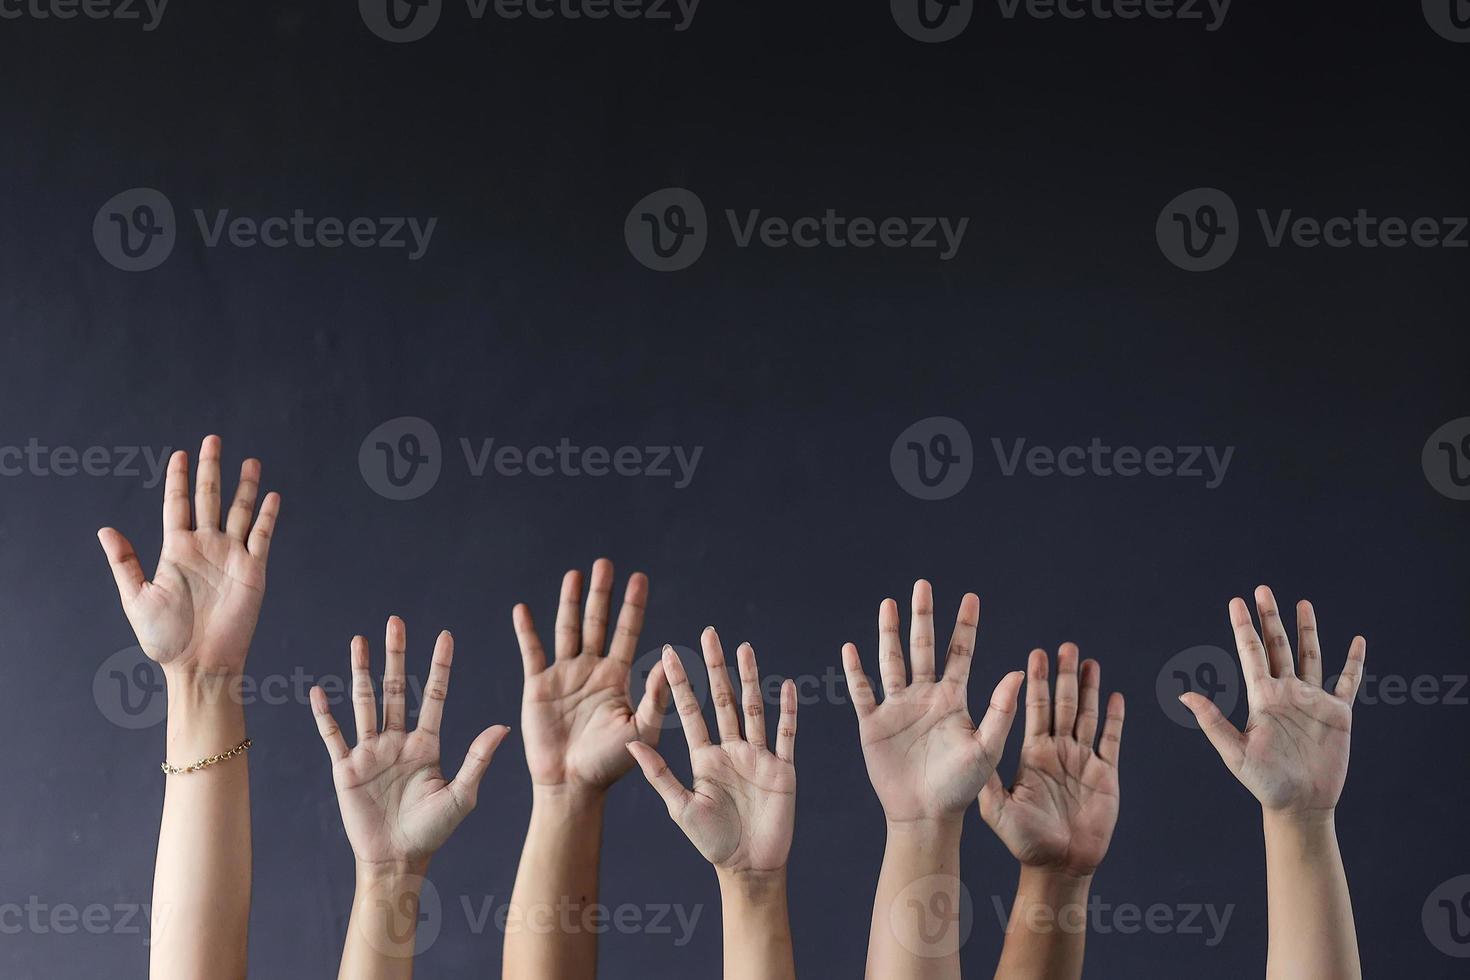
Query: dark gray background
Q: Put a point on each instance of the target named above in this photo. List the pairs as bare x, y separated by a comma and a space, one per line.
529, 321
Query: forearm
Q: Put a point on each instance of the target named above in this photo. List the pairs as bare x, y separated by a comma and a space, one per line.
548, 932
757, 926
201, 878
916, 913
1047, 932
1310, 909
384, 924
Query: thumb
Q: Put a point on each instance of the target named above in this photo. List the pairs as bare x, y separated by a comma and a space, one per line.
656, 771
653, 704
993, 798
466, 785
126, 569
1225, 737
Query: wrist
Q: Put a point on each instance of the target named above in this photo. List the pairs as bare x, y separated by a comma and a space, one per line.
751, 886
406, 872
945, 828
564, 800
1307, 833
1059, 883
206, 715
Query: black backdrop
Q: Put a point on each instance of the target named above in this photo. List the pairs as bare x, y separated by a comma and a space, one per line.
528, 320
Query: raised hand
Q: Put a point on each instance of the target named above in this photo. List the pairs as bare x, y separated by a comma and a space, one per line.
397, 807
1293, 754
200, 609
742, 809
925, 757
577, 714
1060, 813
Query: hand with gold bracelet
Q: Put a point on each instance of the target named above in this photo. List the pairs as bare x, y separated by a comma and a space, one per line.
196, 618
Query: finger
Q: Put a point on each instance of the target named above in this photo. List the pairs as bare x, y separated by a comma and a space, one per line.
206, 485
237, 521
364, 701
1065, 712
127, 571
1308, 648
431, 712
1248, 645
1278, 646
1038, 697
890, 649
962, 641
993, 798
176, 494
264, 530
786, 724
326, 726
999, 716
652, 705
599, 604
569, 616
690, 716
1091, 685
394, 642
1225, 737
751, 699
1111, 743
1352, 671
727, 715
630, 620
858, 685
664, 782
533, 657
921, 632
466, 785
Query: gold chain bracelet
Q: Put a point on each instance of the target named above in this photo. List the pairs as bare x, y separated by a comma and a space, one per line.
203, 763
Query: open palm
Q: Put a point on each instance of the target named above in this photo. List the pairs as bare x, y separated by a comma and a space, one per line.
742, 810
200, 609
1061, 810
577, 714
1293, 754
396, 804
925, 757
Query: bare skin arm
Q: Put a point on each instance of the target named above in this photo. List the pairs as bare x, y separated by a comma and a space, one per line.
1293, 757
576, 718
397, 807
741, 812
196, 619
1057, 819
927, 760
